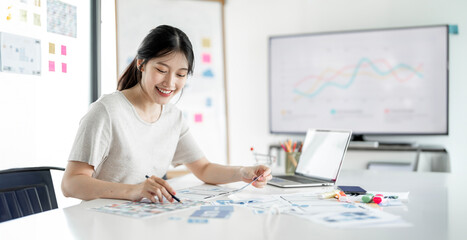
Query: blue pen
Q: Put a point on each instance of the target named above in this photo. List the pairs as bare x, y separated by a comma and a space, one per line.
176, 198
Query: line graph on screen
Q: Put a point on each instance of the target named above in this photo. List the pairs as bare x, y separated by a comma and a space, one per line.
344, 77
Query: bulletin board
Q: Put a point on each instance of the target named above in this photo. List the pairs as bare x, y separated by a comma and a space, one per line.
45, 51
203, 101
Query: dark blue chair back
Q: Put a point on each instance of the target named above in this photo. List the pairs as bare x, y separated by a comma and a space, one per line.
26, 191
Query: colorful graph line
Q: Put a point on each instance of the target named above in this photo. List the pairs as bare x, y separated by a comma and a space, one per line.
328, 81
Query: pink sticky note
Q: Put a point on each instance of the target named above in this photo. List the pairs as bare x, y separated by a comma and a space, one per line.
63, 50
63, 67
51, 66
206, 58
198, 117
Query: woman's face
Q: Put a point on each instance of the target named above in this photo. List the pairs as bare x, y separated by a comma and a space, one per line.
163, 77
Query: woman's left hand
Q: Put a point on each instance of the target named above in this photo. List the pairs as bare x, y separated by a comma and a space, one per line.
250, 173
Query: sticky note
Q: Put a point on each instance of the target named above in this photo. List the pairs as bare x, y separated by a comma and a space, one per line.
37, 19
208, 73
51, 48
208, 102
206, 58
453, 29
198, 118
206, 42
51, 66
23, 15
63, 67
63, 50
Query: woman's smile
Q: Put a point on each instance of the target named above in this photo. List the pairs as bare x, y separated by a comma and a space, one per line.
164, 92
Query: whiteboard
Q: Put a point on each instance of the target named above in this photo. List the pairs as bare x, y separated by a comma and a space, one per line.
45, 50
203, 98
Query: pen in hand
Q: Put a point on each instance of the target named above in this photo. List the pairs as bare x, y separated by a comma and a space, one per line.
176, 198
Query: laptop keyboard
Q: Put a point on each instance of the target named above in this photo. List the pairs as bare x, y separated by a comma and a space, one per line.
300, 179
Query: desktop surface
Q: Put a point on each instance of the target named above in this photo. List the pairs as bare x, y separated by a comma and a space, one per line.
435, 210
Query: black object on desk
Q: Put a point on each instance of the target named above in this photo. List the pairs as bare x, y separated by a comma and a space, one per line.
352, 190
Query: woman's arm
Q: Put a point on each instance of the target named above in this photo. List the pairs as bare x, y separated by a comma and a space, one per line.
78, 182
218, 174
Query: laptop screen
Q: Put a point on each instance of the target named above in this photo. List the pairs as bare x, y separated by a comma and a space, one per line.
322, 153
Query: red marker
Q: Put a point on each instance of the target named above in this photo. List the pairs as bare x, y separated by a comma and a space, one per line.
378, 198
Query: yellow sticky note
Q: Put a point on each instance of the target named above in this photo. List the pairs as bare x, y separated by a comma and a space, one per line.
206, 42
51, 48
23, 15
37, 19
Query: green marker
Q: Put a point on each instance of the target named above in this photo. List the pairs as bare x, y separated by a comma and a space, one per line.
367, 198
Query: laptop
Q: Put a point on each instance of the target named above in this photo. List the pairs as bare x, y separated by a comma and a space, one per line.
320, 162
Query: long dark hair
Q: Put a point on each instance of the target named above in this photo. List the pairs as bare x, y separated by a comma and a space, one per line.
160, 41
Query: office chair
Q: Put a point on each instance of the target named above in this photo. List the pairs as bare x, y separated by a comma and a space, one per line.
26, 191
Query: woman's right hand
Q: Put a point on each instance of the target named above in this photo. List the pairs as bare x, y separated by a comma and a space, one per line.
152, 187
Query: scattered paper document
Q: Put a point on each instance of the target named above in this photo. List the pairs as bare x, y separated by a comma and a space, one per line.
207, 192
203, 192
329, 212
145, 208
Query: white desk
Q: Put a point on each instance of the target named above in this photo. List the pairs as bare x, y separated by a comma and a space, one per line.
434, 209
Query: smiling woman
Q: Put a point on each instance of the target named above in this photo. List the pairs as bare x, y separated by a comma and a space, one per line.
161, 41
165, 75
158, 72
136, 131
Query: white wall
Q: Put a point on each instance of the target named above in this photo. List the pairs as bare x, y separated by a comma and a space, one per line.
249, 23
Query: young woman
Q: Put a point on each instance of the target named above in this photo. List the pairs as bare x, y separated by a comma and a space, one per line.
135, 131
